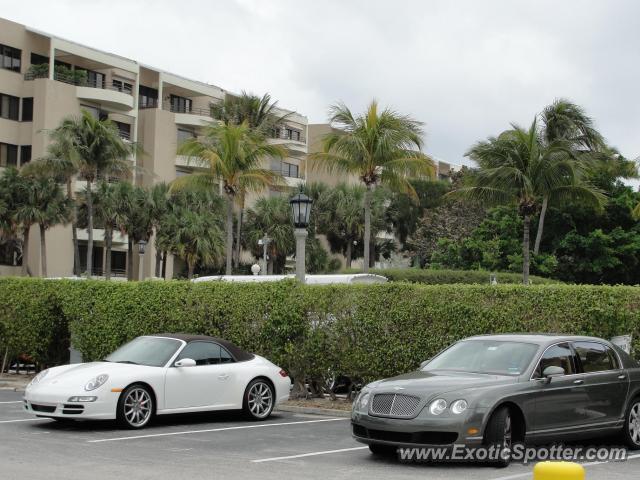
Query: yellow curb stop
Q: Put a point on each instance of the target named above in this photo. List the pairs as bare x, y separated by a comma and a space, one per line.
558, 471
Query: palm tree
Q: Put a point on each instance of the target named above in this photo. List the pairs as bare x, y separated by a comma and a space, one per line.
10, 199
40, 201
159, 201
108, 214
134, 217
568, 122
271, 216
519, 167
262, 116
93, 149
192, 228
341, 216
379, 147
231, 155
61, 162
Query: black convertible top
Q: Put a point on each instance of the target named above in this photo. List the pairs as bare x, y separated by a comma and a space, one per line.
236, 352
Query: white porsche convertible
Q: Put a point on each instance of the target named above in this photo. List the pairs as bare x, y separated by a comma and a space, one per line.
157, 375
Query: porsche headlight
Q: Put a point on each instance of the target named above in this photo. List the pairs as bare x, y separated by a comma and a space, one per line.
362, 402
38, 378
438, 406
459, 406
96, 382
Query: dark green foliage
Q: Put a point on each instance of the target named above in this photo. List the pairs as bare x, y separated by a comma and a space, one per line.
448, 277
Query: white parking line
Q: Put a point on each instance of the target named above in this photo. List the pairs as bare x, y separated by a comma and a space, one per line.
223, 429
325, 452
24, 420
16, 401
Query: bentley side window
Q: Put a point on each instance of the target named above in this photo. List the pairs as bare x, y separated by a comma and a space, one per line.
206, 353
595, 357
556, 356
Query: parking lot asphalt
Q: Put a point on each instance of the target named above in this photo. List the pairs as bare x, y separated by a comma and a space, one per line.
221, 445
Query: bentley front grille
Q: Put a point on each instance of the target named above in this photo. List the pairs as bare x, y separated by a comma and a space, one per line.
394, 405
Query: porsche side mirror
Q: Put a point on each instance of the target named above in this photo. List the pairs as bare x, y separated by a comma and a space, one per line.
551, 372
425, 363
185, 362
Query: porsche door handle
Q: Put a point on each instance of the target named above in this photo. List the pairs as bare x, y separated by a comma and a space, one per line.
621, 377
223, 376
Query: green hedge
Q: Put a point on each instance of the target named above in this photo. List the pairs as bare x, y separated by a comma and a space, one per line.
445, 277
368, 331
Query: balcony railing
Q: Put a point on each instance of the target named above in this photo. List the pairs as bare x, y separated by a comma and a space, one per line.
78, 81
205, 112
284, 135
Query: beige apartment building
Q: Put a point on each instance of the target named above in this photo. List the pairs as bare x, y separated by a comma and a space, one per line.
39, 87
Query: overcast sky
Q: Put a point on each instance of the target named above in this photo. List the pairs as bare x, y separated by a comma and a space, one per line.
464, 68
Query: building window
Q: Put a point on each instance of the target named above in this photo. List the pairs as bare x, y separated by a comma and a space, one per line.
124, 129
27, 109
94, 79
94, 111
10, 58
25, 154
148, 97
290, 170
122, 86
180, 104
8, 155
37, 59
185, 135
9, 106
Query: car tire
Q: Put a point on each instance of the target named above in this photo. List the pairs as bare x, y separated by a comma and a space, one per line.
382, 450
631, 429
258, 400
499, 432
135, 407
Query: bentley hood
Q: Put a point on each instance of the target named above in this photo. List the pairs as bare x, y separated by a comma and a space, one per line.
427, 384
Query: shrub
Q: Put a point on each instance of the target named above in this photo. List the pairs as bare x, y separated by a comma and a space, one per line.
444, 277
367, 331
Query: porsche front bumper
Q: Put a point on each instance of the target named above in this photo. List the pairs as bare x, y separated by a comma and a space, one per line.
57, 405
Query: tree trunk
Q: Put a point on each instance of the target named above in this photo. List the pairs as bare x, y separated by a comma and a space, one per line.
158, 262
43, 250
229, 231
108, 239
130, 259
191, 267
74, 229
238, 236
25, 251
525, 250
367, 228
543, 213
348, 254
372, 252
4, 360
164, 264
89, 230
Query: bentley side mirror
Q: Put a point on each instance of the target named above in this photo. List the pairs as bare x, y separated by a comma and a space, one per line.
185, 362
551, 372
425, 363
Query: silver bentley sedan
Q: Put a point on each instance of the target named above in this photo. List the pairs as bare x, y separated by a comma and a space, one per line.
503, 389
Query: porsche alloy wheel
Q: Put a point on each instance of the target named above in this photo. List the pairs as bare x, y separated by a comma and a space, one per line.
135, 407
258, 399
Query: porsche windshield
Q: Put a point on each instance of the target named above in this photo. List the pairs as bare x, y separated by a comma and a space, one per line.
485, 356
150, 351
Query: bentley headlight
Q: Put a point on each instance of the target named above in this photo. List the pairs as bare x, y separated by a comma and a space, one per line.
362, 402
96, 382
459, 406
438, 406
38, 378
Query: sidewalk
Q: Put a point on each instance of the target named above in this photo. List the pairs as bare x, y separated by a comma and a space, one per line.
17, 383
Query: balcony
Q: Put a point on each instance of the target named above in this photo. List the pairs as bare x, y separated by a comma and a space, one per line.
194, 117
118, 98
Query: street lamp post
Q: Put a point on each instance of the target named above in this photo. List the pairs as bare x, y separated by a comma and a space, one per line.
142, 246
300, 210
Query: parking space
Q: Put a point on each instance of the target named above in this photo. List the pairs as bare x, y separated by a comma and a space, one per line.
218, 446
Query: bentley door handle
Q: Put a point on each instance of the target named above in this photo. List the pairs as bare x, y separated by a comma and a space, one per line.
578, 382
